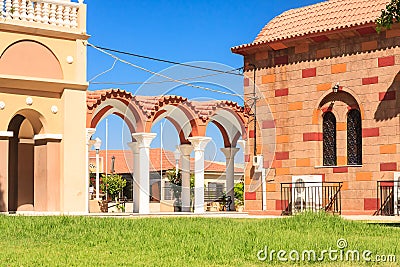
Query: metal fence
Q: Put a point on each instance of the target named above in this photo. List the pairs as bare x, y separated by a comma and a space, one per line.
313, 196
388, 194
210, 193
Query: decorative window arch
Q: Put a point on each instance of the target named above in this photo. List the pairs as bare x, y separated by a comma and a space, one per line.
329, 139
354, 137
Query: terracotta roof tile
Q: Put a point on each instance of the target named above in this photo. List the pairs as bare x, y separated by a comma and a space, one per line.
124, 159
326, 16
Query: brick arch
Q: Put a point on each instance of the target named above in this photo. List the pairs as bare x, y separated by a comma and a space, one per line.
148, 109
225, 136
344, 95
30, 58
184, 105
116, 101
36, 119
240, 118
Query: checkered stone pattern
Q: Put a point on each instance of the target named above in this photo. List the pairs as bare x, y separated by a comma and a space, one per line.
296, 81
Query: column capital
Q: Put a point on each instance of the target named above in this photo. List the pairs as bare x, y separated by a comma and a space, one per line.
199, 142
134, 147
89, 133
229, 152
186, 149
144, 139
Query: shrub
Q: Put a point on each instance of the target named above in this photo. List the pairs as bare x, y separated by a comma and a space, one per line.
113, 184
238, 190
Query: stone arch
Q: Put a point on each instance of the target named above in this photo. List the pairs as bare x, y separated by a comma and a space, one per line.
230, 120
118, 102
117, 107
339, 104
27, 159
180, 113
30, 58
346, 96
36, 119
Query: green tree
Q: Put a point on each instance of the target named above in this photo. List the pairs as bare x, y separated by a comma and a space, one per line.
389, 15
113, 184
239, 190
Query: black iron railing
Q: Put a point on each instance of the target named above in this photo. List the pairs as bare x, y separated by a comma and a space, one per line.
313, 196
211, 194
388, 196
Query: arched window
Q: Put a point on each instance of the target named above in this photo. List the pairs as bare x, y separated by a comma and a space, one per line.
329, 139
354, 138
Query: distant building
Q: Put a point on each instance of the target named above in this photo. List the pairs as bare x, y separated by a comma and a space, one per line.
42, 106
160, 162
329, 85
48, 118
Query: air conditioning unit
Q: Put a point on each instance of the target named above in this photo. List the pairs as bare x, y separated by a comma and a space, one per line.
258, 163
257, 160
306, 193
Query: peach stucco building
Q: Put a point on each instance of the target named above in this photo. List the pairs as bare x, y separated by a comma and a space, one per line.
346, 140
42, 106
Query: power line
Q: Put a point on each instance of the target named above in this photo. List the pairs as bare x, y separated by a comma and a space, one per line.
161, 75
104, 72
160, 82
168, 61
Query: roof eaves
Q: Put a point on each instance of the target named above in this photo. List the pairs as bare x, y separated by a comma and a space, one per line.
245, 47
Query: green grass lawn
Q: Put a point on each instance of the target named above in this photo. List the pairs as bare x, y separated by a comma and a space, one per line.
88, 241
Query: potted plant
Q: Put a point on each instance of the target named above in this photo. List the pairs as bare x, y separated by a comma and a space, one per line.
175, 179
113, 184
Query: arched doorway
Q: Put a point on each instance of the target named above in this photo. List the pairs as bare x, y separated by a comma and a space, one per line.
33, 165
21, 164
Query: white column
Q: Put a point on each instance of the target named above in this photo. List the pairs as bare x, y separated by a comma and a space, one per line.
97, 175
89, 134
185, 159
230, 153
144, 141
199, 144
135, 175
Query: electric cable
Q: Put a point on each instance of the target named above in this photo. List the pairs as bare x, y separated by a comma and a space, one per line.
164, 60
161, 75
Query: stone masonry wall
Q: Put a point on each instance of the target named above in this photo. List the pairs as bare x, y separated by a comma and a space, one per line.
294, 81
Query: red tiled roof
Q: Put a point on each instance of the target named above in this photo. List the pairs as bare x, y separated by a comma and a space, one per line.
322, 17
123, 158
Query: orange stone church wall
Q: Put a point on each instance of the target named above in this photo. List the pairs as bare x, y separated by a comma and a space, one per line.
292, 83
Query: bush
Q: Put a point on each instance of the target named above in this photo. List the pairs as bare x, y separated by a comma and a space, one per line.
238, 190
113, 184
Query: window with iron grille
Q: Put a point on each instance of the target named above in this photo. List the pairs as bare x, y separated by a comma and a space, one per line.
354, 138
329, 139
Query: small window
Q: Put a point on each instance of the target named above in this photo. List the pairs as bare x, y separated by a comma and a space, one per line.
354, 138
329, 139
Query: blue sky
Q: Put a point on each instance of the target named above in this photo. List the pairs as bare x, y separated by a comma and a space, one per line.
201, 32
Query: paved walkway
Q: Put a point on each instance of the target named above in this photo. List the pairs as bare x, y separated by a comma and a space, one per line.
373, 219
234, 215
242, 215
